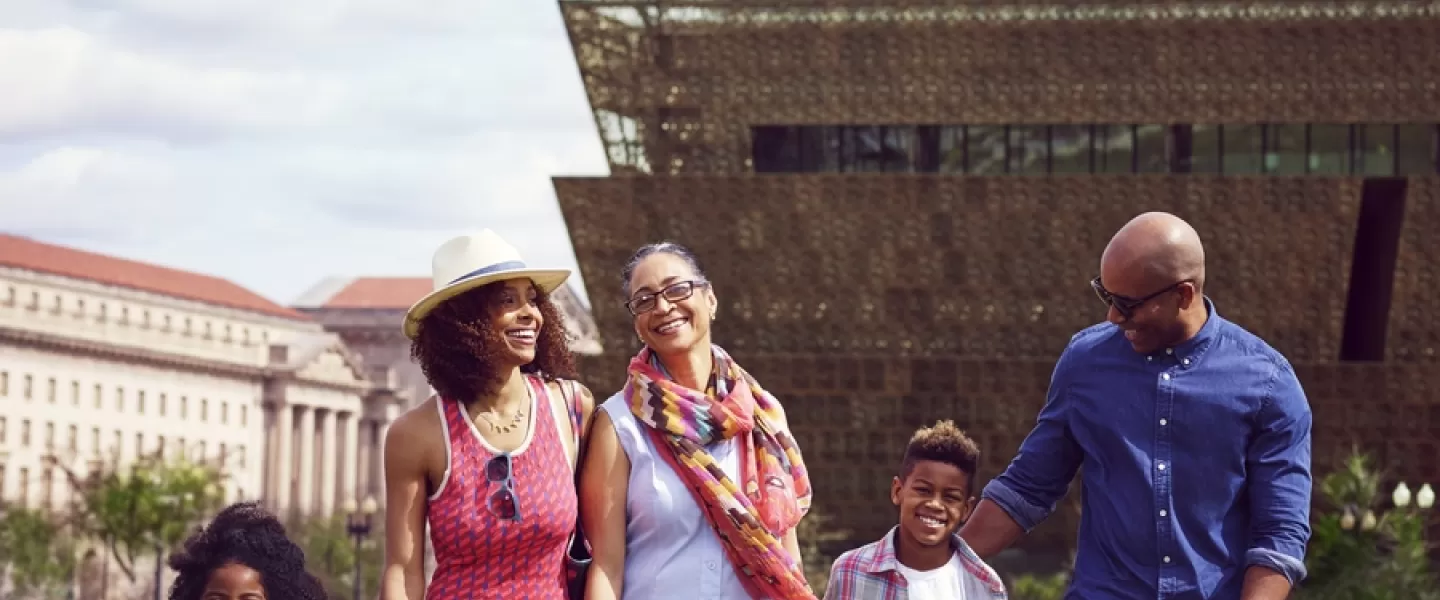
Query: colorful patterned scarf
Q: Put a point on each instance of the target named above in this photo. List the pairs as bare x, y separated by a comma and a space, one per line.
777, 488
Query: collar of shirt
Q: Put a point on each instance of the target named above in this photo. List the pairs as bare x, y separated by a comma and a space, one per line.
1191, 351
884, 560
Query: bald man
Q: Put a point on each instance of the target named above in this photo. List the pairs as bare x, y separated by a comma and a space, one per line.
1194, 435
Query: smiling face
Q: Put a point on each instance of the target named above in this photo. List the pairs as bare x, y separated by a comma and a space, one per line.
234, 581
934, 500
1148, 308
671, 303
517, 319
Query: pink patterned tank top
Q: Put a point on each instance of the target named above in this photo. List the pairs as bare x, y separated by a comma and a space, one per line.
481, 555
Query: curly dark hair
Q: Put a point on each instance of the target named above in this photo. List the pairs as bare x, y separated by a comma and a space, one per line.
944, 442
246, 534
456, 346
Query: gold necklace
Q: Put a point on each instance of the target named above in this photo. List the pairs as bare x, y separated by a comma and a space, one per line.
515, 421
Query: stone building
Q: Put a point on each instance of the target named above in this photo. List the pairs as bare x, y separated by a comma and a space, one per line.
901, 204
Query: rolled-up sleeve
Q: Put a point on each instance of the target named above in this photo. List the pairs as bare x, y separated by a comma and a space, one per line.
1280, 479
1040, 474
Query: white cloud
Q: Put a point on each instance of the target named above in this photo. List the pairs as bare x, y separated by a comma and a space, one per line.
276, 142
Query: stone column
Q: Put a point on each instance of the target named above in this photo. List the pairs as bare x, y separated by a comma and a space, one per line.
329, 463
306, 495
283, 458
351, 470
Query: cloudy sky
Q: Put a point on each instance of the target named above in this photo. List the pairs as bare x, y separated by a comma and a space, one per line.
277, 142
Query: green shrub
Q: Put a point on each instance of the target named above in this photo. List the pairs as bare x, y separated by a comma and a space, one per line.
1358, 551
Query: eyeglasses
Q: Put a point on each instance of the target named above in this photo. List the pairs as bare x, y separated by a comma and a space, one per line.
645, 301
502, 502
1126, 305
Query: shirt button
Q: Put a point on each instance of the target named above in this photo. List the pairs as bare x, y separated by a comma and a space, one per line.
1149, 358
710, 564
1165, 376
1166, 559
1169, 350
1162, 466
1185, 361
1164, 513
1163, 422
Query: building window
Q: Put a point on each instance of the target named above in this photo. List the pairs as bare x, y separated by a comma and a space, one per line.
99, 396
29, 389
50, 437
167, 323
1378, 150
117, 444
47, 488
50, 391
224, 412
140, 402
240, 456
139, 444
2, 437
124, 315
200, 450
204, 410
75, 393
24, 487
163, 402
244, 415
103, 313
95, 441
160, 446
25, 433
145, 320
184, 407
4, 383
72, 441
119, 399
80, 308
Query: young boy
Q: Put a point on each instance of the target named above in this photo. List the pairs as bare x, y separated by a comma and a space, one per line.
922, 558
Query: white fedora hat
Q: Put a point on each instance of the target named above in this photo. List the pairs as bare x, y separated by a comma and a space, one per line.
470, 261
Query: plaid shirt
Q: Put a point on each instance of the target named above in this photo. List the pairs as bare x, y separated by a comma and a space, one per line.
869, 573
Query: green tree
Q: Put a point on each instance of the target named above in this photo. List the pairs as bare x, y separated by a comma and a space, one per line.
330, 554
37, 551
145, 508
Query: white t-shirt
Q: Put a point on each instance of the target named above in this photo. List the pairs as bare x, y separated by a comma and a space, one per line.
943, 583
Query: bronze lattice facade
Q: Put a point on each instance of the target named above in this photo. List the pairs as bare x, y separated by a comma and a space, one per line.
900, 207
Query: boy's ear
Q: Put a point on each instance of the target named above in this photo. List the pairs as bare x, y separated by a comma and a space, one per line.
895, 485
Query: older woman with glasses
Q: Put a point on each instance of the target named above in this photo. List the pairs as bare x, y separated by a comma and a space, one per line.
487, 463
692, 485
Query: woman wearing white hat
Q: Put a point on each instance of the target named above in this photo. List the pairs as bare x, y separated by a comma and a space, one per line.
488, 462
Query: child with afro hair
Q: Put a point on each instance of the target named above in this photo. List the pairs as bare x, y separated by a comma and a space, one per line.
242, 554
922, 558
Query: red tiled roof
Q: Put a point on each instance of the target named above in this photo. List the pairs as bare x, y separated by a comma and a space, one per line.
381, 293
25, 253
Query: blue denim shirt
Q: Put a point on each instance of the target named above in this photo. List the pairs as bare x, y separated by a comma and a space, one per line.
1196, 463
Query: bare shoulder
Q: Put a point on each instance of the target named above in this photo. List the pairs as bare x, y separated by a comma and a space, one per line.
563, 390
416, 432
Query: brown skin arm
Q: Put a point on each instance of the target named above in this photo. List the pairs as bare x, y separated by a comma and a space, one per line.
1262, 583
604, 487
990, 530
408, 444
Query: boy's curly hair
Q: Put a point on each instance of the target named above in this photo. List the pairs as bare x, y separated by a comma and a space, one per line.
244, 534
943, 442
456, 345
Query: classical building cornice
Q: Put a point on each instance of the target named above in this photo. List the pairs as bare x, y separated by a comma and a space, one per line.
145, 356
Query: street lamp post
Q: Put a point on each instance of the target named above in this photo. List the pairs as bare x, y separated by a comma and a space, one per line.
357, 524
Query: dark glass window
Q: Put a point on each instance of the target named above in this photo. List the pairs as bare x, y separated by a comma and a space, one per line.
1243, 147
1416, 149
1205, 148
1029, 149
1375, 150
1070, 149
986, 148
1329, 149
952, 150
1285, 149
1114, 149
1152, 148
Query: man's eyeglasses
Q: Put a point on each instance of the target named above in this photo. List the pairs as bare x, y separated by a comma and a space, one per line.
644, 302
1126, 305
502, 502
